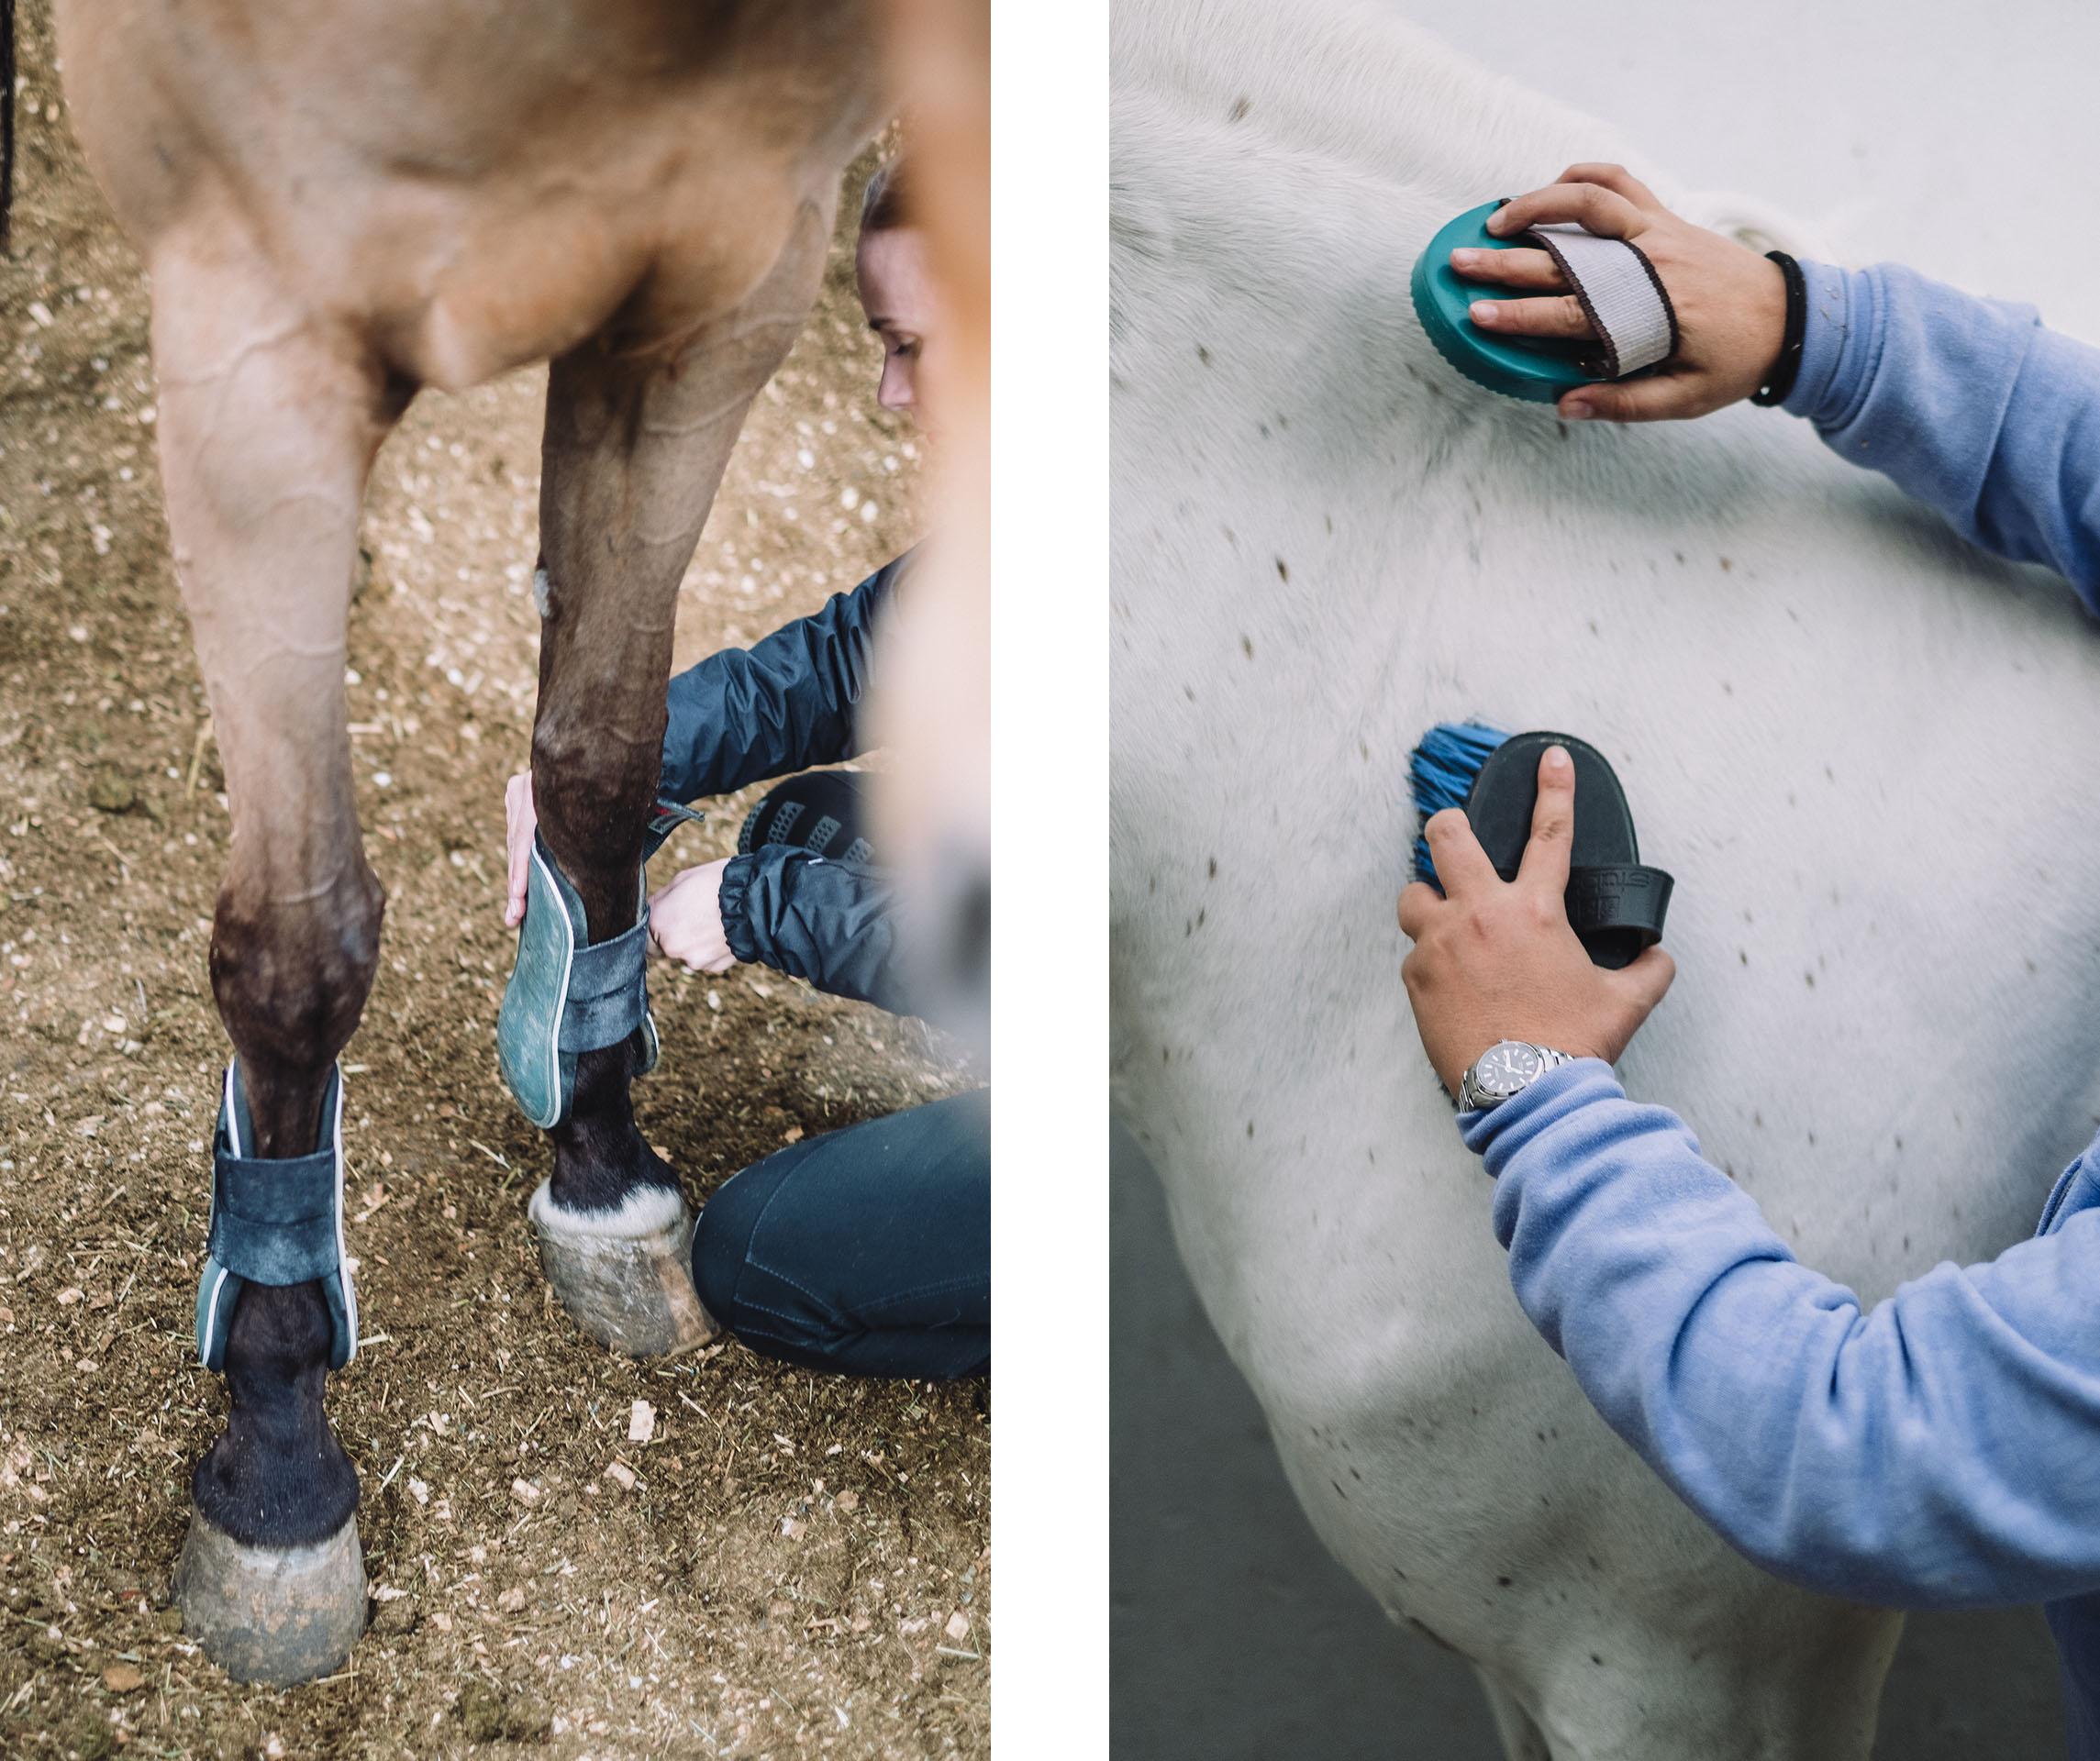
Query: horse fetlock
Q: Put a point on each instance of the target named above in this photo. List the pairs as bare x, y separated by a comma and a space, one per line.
274, 1614
276, 1476
624, 1273
599, 1154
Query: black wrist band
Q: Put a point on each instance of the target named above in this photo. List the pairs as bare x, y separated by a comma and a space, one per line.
1783, 370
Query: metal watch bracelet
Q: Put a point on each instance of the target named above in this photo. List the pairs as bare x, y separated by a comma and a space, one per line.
1506, 1060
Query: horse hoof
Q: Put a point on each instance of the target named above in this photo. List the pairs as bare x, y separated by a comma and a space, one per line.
274, 1615
626, 1277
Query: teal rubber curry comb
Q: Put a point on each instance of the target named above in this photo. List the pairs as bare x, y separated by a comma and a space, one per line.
1612, 278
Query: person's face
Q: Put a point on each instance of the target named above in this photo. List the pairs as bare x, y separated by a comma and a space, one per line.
897, 291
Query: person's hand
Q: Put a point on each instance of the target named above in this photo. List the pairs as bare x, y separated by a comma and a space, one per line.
1496, 960
521, 819
1730, 303
686, 919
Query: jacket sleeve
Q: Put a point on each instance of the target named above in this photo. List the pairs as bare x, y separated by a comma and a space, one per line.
792, 701
1972, 405
825, 921
1937, 1450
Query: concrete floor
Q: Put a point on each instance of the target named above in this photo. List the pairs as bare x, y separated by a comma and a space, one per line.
1941, 132
1233, 1636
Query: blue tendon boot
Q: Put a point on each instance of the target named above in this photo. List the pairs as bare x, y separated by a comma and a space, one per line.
275, 1614
623, 1274
566, 998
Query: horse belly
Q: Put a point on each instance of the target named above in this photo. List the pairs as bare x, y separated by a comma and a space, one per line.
466, 203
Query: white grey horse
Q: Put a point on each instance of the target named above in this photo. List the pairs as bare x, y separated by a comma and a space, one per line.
1856, 743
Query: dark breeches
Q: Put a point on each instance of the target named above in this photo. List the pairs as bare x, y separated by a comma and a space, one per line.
866, 1251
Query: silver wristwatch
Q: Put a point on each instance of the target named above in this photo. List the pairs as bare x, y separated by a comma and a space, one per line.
1505, 1070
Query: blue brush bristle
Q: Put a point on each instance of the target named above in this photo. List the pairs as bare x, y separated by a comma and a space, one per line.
1441, 773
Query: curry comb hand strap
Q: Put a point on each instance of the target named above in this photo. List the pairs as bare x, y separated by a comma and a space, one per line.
566, 997
1629, 899
275, 1221
1621, 291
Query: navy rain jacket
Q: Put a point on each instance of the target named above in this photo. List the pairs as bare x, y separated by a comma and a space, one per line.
744, 716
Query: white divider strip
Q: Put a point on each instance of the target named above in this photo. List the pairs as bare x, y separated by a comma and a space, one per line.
1619, 291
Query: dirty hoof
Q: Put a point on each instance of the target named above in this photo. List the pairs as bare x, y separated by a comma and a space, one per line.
277, 1615
625, 1276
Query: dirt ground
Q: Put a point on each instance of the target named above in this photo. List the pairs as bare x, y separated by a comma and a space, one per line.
800, 1563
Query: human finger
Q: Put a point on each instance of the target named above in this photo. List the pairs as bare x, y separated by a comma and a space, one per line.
518, 825
1589, 205
1661, 397
1521, 268
1558, 315
1614, 178
1462, 865
1647, 980
1418, 905
1545, 861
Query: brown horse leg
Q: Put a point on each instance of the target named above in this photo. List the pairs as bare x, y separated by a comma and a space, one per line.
635, 449
269, 423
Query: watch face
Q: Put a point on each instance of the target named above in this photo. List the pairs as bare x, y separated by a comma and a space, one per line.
1507, 1068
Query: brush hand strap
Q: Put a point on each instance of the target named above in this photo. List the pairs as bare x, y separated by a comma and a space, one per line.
1621, 291
1629, 897
275, 1221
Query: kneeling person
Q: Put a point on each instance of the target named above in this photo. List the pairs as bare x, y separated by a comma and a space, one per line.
865, 1250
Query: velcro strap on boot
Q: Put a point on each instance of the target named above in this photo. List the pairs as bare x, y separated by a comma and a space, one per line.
276, 1221
565, 997
667, 818
609, 991
1621, 291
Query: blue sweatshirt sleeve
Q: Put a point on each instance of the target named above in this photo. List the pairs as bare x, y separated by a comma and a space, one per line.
792, 701
1941, 1449
1970, 406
